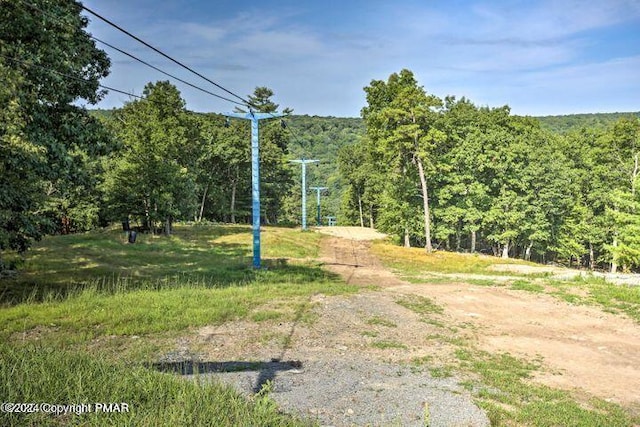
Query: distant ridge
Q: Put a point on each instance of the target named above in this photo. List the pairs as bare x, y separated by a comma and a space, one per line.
568, 122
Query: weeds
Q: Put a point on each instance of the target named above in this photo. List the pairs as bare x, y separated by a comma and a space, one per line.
87, 311
33, 373
381, 321
523, 285
419, 304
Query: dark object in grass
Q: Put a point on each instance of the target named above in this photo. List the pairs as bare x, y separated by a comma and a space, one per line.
132, 236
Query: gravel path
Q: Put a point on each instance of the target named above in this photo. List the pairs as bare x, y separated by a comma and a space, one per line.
356, 391
330, 369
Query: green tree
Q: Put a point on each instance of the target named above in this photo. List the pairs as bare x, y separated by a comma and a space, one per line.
356, 168
461, 193
47, 62
402, 120
223, 169
623, 145
153, 177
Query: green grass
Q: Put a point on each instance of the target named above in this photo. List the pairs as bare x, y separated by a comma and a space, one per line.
415, 261
523, 285
483, 282
34, 373
595, 291
208, 255
419, 267
505, 392
88, 314
441, 372
419, 304
625, 299
381, 321
501, 383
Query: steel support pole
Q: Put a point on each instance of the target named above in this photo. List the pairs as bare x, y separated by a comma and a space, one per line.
304, 187
304, 196
255, 175
318, 190
255, 191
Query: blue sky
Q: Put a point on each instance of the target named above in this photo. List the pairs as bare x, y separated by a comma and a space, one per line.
538, 57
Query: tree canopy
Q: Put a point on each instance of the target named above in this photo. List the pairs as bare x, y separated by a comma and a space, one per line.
496, 182
437, 173
47, 144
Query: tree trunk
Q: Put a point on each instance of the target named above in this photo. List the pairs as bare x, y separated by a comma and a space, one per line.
636, 168
360, 210
473, 241
527, 252
204, 197
371, 222
407, 240
147, 215
425, 203
233, 201
614, 260
167, 226
592, 258
505, 250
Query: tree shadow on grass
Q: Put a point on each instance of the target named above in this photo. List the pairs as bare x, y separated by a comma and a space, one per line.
234, 270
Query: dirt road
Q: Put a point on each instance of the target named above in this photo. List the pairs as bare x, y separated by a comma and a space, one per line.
581, 347
353, 363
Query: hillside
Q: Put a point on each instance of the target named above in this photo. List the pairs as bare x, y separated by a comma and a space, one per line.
565, 123
315, 137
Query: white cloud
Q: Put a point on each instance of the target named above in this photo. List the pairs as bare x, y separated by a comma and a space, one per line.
515, 52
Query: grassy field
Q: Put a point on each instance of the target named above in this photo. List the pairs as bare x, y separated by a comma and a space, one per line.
415, 261
87, 312
416, 266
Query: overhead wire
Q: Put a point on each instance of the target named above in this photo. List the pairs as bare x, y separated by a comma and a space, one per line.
165, 73
56, 18
109, 22
69, 76
119, 28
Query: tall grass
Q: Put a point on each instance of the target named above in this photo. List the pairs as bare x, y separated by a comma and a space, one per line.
211, 256
150, 310
37, 374
88, 312
416, 261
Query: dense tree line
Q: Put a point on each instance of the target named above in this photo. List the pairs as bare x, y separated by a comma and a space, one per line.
452, 175
66, 169
574, 122
438, 173
48, 146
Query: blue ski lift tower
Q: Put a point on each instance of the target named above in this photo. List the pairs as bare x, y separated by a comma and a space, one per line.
304, 163
255, 175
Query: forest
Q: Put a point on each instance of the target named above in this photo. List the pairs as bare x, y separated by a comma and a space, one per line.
443, 174
447, 174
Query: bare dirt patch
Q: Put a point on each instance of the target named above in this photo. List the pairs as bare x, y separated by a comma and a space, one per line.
581, 347
353, 361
